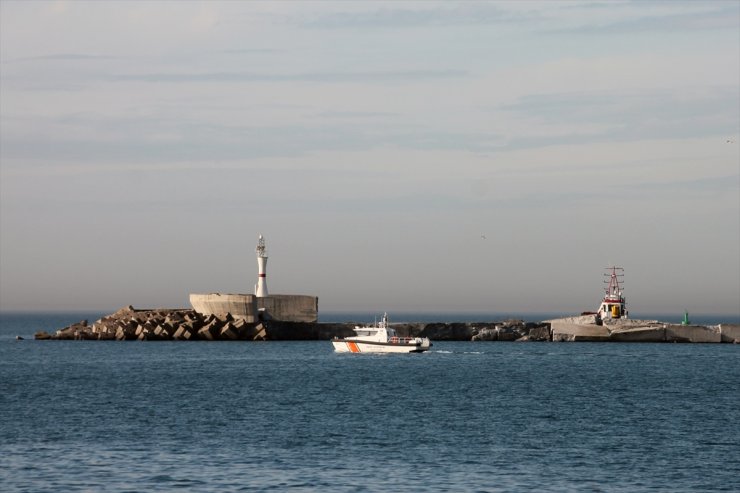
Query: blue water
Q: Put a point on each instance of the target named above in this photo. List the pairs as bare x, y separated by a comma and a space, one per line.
240, 416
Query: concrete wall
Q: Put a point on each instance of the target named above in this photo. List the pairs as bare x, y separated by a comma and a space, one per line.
240, 306
730, 333
639, 334
290, 307
582, 328
691, 333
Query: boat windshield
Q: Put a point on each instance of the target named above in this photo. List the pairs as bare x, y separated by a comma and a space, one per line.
361, 332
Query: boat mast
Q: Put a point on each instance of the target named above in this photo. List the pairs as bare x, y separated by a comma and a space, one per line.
615, 282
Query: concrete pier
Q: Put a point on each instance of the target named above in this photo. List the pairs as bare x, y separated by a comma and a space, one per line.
584, 328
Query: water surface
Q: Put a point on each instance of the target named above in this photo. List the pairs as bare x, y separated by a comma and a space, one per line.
239, 416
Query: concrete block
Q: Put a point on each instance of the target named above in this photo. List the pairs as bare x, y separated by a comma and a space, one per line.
260, 333
639, 334
106, 336
507, 333
183, 334
573, 330
205, 334
228, 333
244, 330
541, 333
214, 328
159, 333
104, 326
691, 333
86, 335
730, 333
73, 331
126, 311
486, 334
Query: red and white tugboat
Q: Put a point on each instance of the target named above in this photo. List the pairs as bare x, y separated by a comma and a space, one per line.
614, 305
380, 338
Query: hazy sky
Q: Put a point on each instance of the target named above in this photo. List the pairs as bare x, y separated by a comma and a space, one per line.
145, 145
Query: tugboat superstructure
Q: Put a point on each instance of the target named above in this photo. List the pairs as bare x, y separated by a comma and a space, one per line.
614, 304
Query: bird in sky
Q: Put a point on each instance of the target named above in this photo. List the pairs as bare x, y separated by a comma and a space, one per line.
482, 236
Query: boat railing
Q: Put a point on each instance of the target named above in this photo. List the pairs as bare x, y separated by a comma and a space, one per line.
401, 340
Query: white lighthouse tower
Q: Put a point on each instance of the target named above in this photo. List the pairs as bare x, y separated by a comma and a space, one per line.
260, 289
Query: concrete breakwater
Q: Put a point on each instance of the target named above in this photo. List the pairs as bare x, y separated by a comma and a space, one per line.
585, 329
129, 323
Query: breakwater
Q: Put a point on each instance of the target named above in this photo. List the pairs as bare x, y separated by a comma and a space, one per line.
164, 324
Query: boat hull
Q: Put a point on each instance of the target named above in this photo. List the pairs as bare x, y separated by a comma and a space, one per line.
349, 346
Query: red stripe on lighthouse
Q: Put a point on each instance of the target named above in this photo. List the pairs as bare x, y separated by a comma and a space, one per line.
263, 275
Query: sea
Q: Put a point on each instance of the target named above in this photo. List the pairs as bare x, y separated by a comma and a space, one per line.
107, 416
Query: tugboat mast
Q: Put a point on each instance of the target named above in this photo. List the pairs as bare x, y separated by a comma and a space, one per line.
615, 277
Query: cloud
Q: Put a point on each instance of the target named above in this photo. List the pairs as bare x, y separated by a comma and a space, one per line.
232, 77
355, 114
63, 57
461, 14
600, 18
630, 115
90, 138
248, 51
627, 116
653, 17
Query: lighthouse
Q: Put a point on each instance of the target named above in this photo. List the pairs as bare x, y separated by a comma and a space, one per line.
260, 289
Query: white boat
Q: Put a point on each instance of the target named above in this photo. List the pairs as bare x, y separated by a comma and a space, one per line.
380, 338
614, 305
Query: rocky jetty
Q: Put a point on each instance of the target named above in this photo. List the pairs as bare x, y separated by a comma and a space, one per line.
508, 330
129, 324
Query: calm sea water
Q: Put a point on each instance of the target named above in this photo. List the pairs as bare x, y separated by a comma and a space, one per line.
236, 416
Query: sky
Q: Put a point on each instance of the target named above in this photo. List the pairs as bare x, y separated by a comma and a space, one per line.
419, 156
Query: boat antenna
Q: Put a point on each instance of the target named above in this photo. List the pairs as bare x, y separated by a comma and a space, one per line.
616, 276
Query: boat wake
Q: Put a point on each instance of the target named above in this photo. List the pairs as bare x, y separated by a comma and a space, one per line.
458, 352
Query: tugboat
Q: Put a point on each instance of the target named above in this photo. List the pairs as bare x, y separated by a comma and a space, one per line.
614, 305
380, 338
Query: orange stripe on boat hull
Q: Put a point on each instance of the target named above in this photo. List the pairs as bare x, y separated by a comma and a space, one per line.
353, 347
